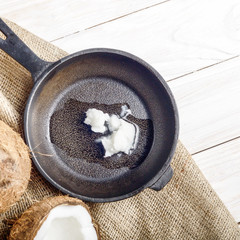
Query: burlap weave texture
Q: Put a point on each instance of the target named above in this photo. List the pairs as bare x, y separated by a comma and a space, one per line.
187, 208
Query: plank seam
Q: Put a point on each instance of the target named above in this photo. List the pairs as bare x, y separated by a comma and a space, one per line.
111, 20
203, 68
213, 146
127, 14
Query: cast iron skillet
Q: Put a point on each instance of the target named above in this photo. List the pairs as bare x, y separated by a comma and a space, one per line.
104, 76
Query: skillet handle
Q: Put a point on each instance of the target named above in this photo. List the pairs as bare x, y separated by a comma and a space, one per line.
163, 180
18, 50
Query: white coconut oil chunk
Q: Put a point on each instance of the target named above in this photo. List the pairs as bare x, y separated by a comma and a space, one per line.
123, 135
96, 119
122, 138
67, 222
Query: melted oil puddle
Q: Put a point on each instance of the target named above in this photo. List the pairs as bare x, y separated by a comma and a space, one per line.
69, 133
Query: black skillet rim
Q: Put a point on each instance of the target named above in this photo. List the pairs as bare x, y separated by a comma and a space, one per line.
50, 69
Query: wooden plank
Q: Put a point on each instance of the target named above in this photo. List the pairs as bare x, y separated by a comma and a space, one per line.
51, 19
221, 167
208, 103
176, 37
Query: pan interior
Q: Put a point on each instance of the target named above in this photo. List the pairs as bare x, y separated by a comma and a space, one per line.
63, 146
77, 144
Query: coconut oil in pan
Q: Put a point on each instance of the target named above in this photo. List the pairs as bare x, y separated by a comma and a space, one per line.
69, 133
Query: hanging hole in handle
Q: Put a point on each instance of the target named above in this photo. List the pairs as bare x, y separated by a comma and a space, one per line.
2, 35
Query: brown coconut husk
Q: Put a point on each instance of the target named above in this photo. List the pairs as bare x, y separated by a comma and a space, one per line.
15, 167
27, 226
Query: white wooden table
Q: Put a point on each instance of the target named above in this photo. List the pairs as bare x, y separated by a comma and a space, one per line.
195, 45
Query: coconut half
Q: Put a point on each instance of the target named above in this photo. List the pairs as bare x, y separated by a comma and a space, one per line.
15, 166
57, 218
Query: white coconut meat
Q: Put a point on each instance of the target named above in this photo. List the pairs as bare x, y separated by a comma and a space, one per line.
67, 222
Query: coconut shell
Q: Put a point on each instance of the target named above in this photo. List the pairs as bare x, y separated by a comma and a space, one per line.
27, 226
15, 166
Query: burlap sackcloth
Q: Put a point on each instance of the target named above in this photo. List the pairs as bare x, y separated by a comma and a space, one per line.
187, 208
